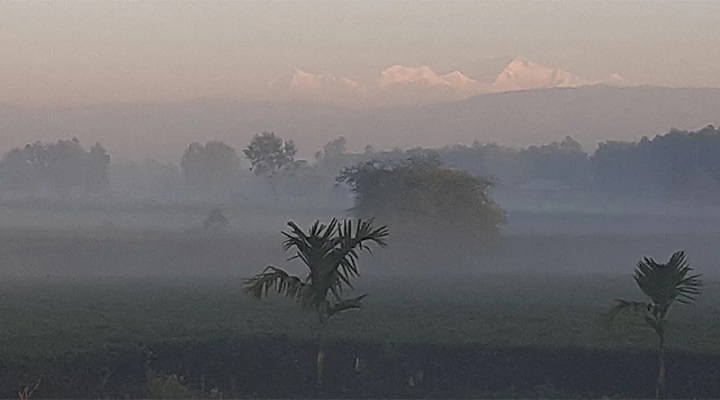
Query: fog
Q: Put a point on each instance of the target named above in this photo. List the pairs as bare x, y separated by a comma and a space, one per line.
147, 219
590, 114
359, 199
154, 241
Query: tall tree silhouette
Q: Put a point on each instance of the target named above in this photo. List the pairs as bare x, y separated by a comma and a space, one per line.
330, 252
664, 284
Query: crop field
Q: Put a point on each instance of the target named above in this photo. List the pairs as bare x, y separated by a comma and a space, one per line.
50, 322
46, 315
113, 313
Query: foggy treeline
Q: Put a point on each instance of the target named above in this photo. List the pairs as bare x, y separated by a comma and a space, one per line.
679, 165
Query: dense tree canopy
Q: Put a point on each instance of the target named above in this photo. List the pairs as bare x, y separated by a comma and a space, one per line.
63, 168
209, 167
678, 165
427, 205
563, 161
268, 153
332, 150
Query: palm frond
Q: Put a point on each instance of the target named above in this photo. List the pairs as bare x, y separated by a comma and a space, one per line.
639, 310
346, 305
273, 278
345, 255
313, 246
668, 282
330, 252
630, 308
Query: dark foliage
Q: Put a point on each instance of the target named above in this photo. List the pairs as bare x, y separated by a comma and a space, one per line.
425, 203
330, 252
678, 165
277, 367
269, 153
209, 168
63, 169
564, 162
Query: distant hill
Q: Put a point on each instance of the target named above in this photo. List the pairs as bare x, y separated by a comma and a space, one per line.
589, 114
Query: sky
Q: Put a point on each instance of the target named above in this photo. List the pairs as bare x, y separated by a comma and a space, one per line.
64, 53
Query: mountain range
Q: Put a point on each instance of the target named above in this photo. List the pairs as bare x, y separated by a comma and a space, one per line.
408, 85
590, 114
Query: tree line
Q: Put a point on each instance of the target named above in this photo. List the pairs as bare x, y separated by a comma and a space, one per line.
679, 165
63, 169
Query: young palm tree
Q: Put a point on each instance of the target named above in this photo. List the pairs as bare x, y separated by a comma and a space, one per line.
330, 253
664, 284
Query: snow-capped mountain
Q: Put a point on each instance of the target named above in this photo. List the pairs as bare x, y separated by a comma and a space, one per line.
458, 81
401, 84
302, 80
424, 75
522, 74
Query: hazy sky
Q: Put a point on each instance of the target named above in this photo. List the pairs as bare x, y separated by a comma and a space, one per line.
75, 52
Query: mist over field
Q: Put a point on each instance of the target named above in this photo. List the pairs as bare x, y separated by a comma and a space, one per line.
566, 211
359, 199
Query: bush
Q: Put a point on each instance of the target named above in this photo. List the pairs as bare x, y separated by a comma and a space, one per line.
436, 212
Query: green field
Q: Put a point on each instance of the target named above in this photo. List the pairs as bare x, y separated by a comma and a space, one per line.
49, 319
105, 311
54, 315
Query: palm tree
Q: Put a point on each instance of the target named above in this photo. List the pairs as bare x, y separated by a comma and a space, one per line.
664, 284
330, 253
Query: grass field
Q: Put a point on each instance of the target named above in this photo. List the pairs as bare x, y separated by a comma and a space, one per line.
47, 320
99, 311
46, 315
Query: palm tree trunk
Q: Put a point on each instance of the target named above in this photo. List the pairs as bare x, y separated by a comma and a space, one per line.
660, 389
320, 366
320, 361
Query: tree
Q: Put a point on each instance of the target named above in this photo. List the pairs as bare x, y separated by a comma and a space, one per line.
63, 167
332, 149
24, 169
210, 167
330, 253
678, 165
663, 284
269, 153
419, 193
99, 160
216, 222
